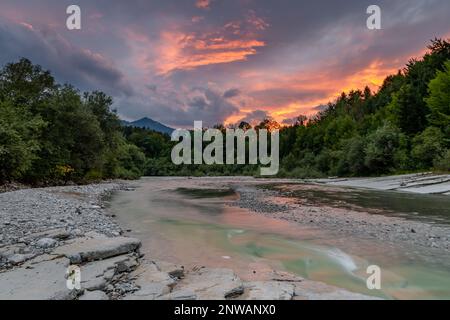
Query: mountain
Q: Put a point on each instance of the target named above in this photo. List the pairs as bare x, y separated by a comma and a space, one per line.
147, 123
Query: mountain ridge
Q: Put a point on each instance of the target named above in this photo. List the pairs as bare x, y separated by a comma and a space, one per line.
148, 123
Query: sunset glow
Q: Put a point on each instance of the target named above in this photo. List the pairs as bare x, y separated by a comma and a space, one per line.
221, 60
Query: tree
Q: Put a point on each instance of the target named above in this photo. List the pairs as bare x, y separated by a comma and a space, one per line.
408, 111
443, 162
300, 120
19, 143
427, 146
381, 148
25, 84
51, 133
268, 124
439, 99
244, 125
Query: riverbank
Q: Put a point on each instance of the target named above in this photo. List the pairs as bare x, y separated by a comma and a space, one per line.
256, 226
422, 183
290, 202
46, 230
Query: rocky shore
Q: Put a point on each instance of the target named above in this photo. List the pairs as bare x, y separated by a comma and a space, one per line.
358, 222
422, 183
45, 231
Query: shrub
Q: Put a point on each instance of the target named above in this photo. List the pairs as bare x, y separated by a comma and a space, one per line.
443, 162
427, 146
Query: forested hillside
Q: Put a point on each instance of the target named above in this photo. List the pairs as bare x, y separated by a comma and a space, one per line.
52, 133
405, 126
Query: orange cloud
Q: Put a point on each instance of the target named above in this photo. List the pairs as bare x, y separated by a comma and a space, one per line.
320, 87
179, 51
203, 4
371, 76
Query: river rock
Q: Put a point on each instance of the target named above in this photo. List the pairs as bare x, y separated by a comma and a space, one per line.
44, 281
19, 258
46, 243
57, 234
97, 248
152, 282
95, 275
174, 270
212, 284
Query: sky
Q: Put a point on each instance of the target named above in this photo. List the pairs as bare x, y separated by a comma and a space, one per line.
220, 61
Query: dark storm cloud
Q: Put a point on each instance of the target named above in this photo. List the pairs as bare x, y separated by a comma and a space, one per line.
255, 117
68, 63
231, 93
281, 96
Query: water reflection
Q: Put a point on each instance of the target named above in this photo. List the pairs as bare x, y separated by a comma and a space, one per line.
195, 230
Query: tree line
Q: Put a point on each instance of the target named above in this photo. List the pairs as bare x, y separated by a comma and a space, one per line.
404, 127
52, 133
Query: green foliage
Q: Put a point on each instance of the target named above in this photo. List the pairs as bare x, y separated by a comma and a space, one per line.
442, 163
131, 160
427, 146
18, 141
380, 149
406, 113
439, 99
52, 133
365, 133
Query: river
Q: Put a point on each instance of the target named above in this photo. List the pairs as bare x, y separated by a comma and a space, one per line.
192, 222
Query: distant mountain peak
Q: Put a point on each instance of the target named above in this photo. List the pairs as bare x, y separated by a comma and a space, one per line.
148, 123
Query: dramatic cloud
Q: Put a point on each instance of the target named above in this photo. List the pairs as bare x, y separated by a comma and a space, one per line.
255, 117
220, 61
231, 93
80, 66
203, 4
182, 108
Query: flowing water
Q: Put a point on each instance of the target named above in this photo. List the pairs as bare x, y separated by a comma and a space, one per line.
192, 223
